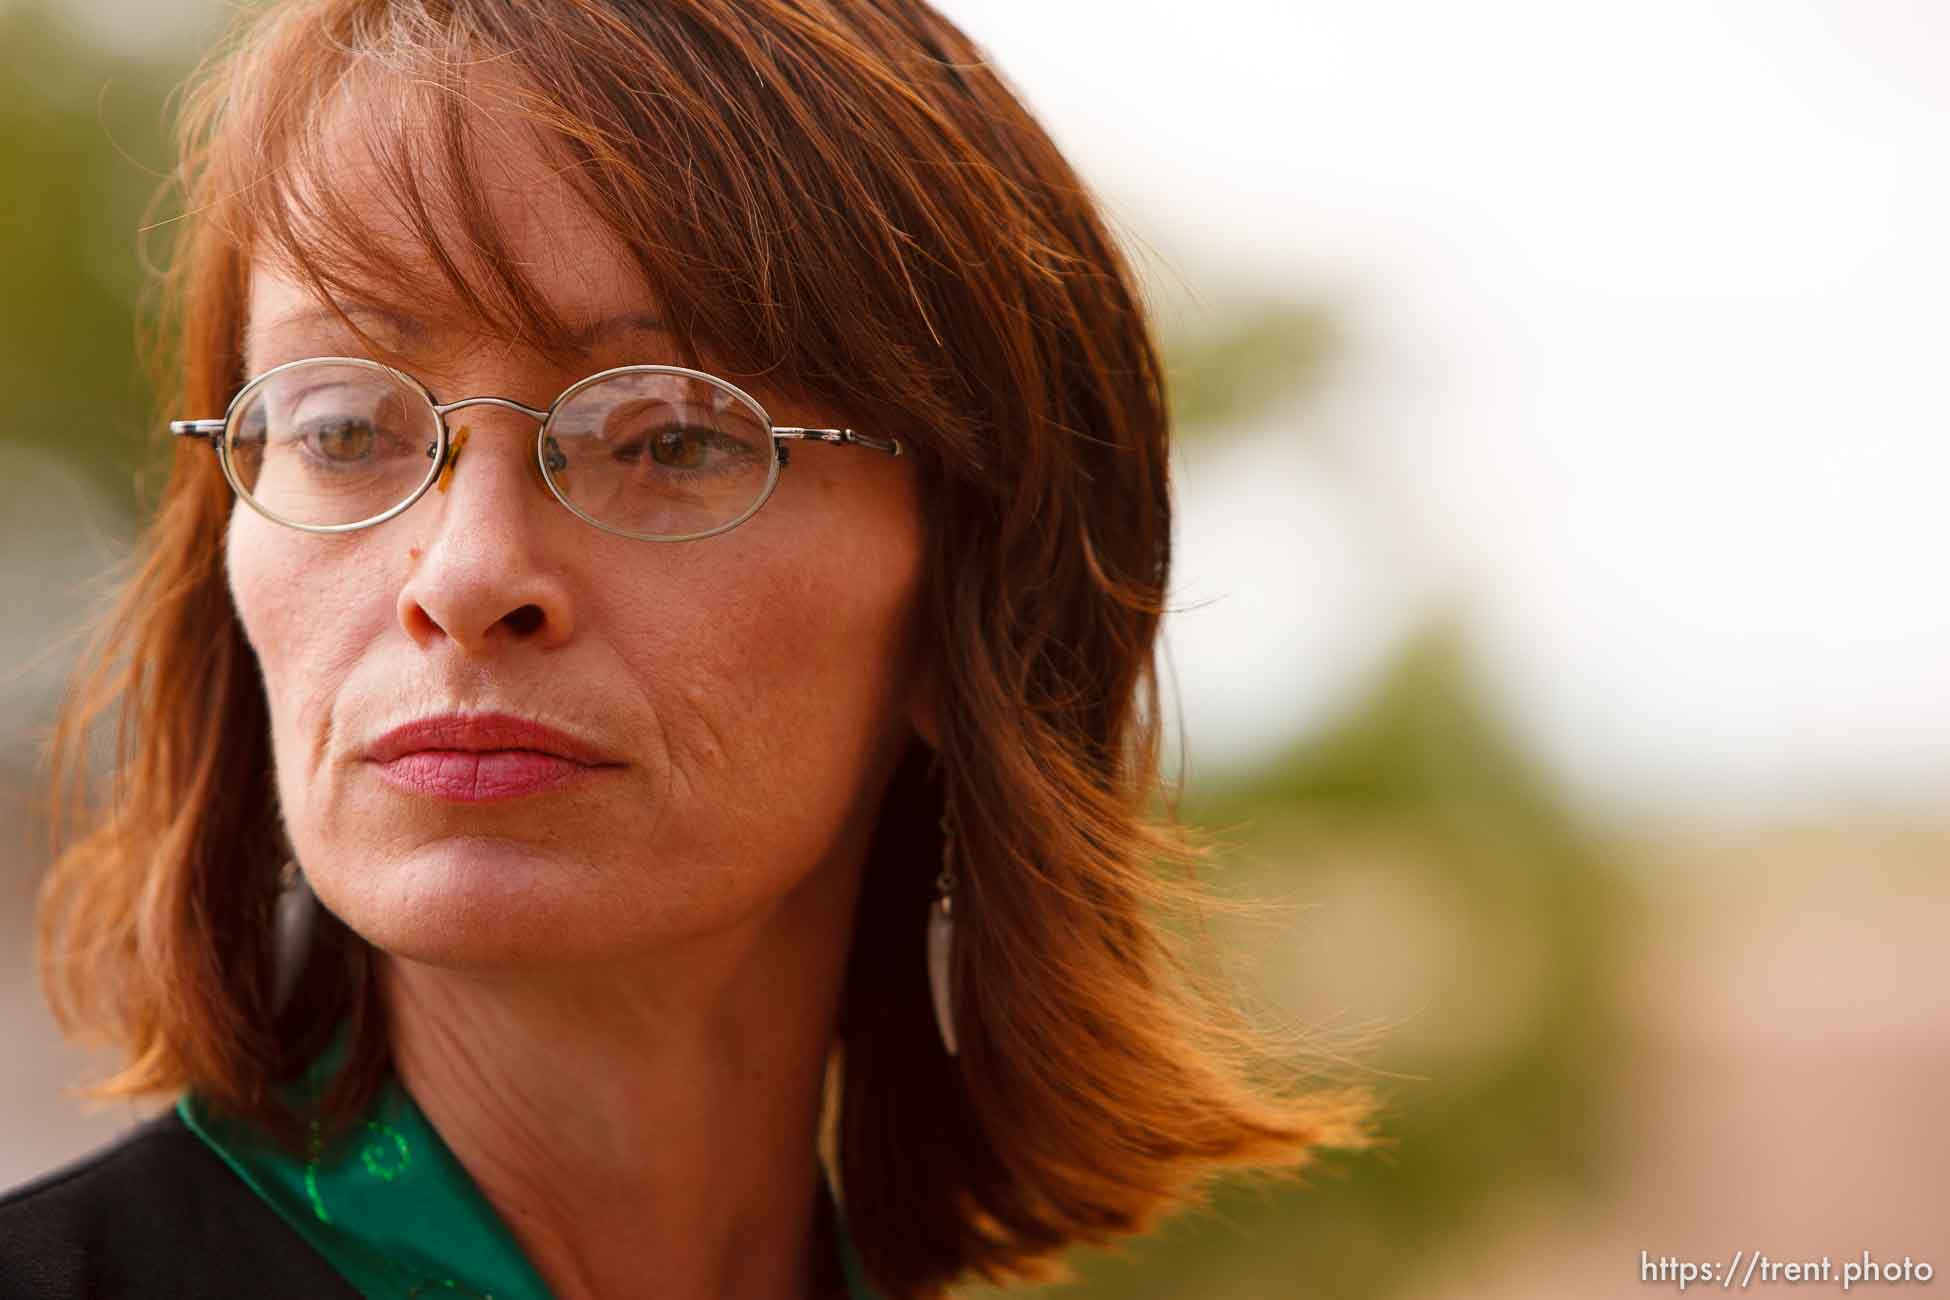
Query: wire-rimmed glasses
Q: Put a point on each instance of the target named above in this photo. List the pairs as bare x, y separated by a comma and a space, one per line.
658, 453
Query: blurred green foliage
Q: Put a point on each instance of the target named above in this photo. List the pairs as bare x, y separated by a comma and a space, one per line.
1247, 357
83, 143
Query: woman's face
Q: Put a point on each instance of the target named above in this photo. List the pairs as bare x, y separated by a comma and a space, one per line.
732, 705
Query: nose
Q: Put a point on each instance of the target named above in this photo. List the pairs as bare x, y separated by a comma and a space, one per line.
489, 568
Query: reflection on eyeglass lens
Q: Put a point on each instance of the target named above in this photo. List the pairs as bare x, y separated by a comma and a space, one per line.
651, 453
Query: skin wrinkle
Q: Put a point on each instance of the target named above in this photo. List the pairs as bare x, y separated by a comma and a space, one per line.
703, 757
614, 1000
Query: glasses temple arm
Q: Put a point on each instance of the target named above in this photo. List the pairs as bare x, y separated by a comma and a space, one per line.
891, 446
210, 429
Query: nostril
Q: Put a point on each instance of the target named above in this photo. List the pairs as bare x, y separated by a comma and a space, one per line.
524, 621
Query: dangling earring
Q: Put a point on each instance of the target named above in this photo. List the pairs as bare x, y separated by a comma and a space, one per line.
941, 938
295, 920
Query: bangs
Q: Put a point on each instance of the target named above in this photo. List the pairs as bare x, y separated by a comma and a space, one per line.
365, 177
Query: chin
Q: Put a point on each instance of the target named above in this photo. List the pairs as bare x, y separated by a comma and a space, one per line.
488, 902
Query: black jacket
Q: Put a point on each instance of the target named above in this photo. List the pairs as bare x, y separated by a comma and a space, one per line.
156, 1215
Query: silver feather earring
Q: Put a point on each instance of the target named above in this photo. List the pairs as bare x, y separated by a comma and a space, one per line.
941, 938
296, 919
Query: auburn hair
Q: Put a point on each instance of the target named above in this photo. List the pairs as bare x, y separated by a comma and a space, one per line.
843, 196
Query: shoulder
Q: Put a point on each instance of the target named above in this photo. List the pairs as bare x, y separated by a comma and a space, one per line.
155, 1214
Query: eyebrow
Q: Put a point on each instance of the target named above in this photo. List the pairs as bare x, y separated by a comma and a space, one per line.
412, 328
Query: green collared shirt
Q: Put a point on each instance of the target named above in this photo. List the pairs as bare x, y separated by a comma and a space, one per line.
394, 1212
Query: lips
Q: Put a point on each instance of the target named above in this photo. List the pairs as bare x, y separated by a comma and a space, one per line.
476, 758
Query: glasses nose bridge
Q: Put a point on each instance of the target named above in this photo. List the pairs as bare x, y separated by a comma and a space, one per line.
444, 409
456, 439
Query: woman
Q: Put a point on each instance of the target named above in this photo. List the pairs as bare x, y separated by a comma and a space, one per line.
645, 659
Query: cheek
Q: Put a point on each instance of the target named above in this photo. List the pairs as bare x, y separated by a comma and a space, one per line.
306, 613
779, 671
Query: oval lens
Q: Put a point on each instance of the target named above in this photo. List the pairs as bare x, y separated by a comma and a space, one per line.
329, 443
662, 455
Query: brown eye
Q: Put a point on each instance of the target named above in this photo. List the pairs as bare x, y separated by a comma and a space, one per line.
679, 448
343, 441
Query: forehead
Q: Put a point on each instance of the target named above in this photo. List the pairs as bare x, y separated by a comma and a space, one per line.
464, 218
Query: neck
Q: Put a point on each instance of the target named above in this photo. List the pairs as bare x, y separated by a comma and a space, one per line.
651, 1127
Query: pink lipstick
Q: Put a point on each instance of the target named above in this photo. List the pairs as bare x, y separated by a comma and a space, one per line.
481, 758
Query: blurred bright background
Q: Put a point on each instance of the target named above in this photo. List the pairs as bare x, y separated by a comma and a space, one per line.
1559, 634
